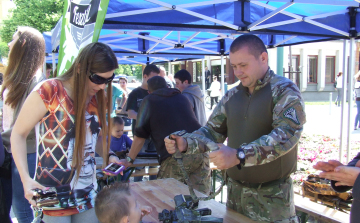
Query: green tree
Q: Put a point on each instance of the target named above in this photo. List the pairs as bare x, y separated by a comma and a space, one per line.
120, 70
4, 50
138, 72
42, 15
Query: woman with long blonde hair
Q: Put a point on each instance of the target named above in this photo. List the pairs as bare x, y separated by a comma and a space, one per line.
70, 114
24, 71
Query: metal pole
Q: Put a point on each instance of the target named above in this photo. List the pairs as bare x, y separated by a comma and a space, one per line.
44, 66
330, 103
203, 78
280, 60
169, 68
342, 118
53, 62
222, 76
351, 89
290, 65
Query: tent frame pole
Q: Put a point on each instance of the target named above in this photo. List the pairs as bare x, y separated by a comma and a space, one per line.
203, 79
186, 11
342, 118
285, 40
222, 77
271, 14
350, 91
124, 48
53, 62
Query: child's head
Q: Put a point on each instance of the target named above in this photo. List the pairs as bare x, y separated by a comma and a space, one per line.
117, 127
116, 204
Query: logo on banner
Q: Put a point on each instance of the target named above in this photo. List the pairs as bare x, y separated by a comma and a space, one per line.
82, 21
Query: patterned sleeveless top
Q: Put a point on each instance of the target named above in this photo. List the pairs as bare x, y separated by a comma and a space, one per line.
56, 140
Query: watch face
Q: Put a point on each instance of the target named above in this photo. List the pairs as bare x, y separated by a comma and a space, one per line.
241, 155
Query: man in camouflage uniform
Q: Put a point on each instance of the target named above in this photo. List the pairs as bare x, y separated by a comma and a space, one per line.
162, 112
263, 119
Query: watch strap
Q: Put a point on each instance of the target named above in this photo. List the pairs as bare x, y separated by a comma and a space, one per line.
129, 159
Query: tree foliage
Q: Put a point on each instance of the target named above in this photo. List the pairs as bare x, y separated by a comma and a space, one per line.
4, 50
42, 15
128, 70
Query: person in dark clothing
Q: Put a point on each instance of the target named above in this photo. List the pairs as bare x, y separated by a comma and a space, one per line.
343, 178
207, 77
162, 112
133, 105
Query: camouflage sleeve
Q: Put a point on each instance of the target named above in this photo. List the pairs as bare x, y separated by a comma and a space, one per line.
288, 120
215, 129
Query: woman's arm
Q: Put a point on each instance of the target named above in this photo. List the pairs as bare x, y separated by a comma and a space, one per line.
31, 113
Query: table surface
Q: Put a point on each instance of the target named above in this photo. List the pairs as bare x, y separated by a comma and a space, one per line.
138, 162
159, 195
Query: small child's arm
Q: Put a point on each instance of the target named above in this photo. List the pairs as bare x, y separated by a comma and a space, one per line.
145, 210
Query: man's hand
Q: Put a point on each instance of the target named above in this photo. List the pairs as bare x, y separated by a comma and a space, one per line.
327, 166
113, 159
345, 175
171, 146
125, 163
224, 158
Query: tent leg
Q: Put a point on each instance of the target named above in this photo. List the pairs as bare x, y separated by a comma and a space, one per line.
203, 78
169, 68
222, 76
344, 77
44, 66
53, 62
351, 102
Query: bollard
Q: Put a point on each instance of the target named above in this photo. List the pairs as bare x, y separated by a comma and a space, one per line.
330, 103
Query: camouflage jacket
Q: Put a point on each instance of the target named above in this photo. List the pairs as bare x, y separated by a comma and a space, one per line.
288, 118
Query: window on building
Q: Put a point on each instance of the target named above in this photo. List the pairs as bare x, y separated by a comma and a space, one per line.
312, 69
330, 70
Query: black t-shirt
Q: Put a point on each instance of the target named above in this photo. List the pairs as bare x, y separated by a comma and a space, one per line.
163, 112
134, 101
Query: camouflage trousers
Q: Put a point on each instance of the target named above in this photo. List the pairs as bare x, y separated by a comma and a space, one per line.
274, 203
196, 165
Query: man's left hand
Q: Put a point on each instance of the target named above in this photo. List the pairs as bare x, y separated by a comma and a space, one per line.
345, 175
113, 159
224, 158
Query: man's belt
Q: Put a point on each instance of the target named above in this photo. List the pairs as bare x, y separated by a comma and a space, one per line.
266, 184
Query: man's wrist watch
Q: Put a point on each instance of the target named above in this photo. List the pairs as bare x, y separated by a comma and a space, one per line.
240, 154
128, 158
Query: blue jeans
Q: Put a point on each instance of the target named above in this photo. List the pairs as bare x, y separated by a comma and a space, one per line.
20, 205
357, 117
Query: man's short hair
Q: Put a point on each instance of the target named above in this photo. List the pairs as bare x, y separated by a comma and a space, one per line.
183, 75
255, 45
117, 120
112, 203
123, 78
151, 68
48, 66
156, 83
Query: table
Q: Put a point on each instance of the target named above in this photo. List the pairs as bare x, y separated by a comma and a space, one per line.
159, 195
139, 162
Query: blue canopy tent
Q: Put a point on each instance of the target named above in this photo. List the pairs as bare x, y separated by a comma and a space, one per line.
207, 27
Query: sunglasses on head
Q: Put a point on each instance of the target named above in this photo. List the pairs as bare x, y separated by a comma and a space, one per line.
96, 79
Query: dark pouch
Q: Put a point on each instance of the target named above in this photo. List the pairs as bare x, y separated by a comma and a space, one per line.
5, 169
